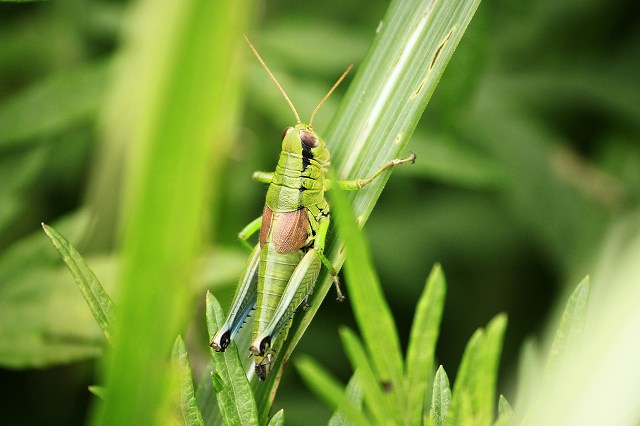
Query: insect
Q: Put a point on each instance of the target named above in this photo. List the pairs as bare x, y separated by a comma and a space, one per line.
283, 266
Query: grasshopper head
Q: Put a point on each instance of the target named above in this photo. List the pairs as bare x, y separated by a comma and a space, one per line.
302, 140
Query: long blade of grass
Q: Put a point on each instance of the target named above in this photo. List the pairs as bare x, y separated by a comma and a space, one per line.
174, 100
233, 393
412, 47
191, 415
328, 389
422, 345
383, 409
98, 300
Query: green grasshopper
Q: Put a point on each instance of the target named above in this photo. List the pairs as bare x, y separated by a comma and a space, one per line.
283, 267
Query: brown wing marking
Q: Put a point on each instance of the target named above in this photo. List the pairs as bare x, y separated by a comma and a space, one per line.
267, 215
290, 231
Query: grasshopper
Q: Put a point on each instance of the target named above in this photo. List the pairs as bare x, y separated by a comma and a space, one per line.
283, 267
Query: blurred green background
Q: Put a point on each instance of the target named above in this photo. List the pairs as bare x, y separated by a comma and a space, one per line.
528, 155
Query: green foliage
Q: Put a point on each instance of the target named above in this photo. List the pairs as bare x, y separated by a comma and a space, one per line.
528, 178
191, 415
94, 294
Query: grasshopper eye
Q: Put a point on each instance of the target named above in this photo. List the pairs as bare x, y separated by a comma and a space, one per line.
309, 139
286, 131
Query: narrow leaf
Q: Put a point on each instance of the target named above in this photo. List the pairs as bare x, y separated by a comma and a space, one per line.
422, 345
506, 416
440, 398
569, 334
329, 390
233, 392
487, 370
474, 391
97, 391
188, 406
370, 308
355, 396
380, 406
98, 300
277, 419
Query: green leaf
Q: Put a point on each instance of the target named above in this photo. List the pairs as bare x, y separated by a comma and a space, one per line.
97, 391
506, 416
233, 393
375, 120
328, 389
98, 300
354, 395
422, 344
380, 405
568, 336
440, 398
277, 419
473, 395
191, 415
370, 308
44, 318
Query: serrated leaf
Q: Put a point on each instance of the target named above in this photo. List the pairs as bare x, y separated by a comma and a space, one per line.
233, 392
191, 415
440, 398
422, 345
98, 300
328, 389
568, 336
381, 406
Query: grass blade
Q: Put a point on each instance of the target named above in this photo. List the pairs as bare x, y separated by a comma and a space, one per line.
422, 344
98, 300
174, 94
329, 390
233, 393
440, 398
191, 415
379, 404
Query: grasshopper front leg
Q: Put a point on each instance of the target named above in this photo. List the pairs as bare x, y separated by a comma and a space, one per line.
355, 184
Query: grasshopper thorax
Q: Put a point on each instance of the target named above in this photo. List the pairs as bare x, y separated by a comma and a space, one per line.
302, 141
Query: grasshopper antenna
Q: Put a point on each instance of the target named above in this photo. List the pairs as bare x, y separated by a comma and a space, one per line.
336, 84
255, 52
